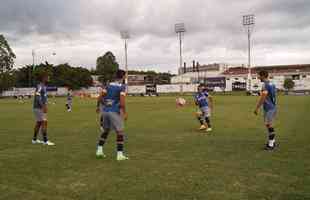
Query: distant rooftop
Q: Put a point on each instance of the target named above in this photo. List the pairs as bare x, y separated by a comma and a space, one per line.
271, 69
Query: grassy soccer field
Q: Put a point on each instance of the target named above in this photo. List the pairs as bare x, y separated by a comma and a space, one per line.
169, 159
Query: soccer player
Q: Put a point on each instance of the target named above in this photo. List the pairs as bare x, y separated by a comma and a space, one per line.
40, 111
69, 100
205, 103
114, 113
268, 101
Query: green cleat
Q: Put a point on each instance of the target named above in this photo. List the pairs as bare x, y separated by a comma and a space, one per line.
121, 157
100, 156
209, 129
99, 153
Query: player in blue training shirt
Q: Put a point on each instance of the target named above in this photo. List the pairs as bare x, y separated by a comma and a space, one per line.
69, 100
40, 111
204, 101
268, 101
114, 113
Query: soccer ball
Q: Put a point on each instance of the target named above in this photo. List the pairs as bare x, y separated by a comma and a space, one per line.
180, 101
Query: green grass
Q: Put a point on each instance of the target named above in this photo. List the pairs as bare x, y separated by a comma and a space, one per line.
169, 159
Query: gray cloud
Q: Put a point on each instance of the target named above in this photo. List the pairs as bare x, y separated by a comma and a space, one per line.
80, 30
46, 17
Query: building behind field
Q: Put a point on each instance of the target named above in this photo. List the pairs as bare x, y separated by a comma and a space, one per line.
224, 77
137, 79
218, 77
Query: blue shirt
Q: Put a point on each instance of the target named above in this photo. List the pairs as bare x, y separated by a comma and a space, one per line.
40, 96
111, 101
202, 99
270, 102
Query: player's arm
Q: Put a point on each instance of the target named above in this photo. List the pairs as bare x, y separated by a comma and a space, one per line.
210, 98
44, 100
41, 97
261, 101
196, 100
99, 99
123, 105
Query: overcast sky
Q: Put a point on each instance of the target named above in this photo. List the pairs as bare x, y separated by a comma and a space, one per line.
79, 31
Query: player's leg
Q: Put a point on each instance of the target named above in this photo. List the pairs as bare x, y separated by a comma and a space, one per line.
69, 105
207, 115
44, 134
118, 125
201, 120
208, 121
44, 130
105, 126
120, 139
102, 140
101, 122
269, 118
37, 128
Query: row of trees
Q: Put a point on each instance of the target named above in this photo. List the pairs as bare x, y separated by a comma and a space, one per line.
62, 75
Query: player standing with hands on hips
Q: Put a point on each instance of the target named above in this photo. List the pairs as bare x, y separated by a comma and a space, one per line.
40, 111
268, 101
114, 113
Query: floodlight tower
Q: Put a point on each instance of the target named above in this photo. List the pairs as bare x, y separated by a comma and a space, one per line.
180, 30
32, 68
33, 53
125, 36
249, 22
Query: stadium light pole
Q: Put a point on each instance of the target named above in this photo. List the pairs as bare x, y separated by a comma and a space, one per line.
33, 53
249, 22
32, 67
125, 36
180, 30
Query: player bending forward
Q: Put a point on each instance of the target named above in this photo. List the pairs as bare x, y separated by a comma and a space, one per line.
268, 101
40, 111
114, 114
205, 103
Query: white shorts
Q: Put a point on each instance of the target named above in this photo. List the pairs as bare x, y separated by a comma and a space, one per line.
205, 111
112, 120
39, 115
270, 115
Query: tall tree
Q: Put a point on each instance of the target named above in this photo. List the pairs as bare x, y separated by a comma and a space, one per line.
289, 84
7, 56
106, 67
6, 65
7, 80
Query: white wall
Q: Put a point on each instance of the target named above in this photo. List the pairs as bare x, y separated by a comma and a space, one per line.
139, 89
61, 91
168, 88
19, 92
190, 88
228, 85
